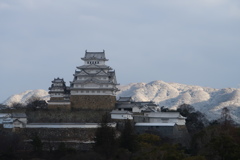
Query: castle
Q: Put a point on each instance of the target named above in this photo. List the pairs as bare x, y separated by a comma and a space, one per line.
93, 92
93, 86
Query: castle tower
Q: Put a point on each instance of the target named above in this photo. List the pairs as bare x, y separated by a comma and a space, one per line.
59, 95
94, 83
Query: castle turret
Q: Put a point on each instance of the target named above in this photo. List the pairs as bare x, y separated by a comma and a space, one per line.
59, 95
94, 83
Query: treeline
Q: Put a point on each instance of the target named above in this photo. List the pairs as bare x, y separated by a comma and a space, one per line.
216, 140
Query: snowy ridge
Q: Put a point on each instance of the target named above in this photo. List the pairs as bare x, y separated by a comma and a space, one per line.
209, 101
25, 96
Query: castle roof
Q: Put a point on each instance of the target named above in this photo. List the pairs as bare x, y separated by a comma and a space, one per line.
95, 56
58, 80
165, 115
93, 80
125, 99
93, 66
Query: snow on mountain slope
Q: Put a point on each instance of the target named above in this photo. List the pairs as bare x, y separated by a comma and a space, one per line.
207, 100
25, 96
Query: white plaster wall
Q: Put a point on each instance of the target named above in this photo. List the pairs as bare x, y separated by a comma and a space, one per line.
100, 62
121, 116
102, 92
7, 125
86, 125
55, 95
24, 120
59, 103
165, 120
136, 110
17, 125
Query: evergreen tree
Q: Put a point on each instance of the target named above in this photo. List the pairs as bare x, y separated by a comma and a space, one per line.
37, 144
128, 139
195, 121
105, 138
226, 118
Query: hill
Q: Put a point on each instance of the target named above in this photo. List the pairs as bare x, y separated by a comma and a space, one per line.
207, 100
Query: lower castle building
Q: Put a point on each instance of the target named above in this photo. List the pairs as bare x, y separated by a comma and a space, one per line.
93, 86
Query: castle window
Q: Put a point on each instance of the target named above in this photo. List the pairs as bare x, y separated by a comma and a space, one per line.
87, 91
98, 91
81, 91
92, 91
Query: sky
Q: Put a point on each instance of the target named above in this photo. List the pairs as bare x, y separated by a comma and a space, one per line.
189, 42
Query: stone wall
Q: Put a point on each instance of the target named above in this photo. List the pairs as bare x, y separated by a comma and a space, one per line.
177, 133
58, 134
59, 107
65, 116
162, 131
95, 102
76, 138
54, 145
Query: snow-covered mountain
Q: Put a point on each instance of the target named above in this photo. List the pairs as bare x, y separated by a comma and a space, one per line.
24, 97
207, 100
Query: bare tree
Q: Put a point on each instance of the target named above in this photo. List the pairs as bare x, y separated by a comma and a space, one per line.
226, 118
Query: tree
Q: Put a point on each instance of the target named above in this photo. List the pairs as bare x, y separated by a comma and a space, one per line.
152, 149
195, 158
217, 142
223, 147
17, 105
36, 102
105, 142
185, 109
9, 143
128, 139
195, 121
37, 144
226, 118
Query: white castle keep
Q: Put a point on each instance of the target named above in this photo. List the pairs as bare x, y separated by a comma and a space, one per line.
94, 77
93, 86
